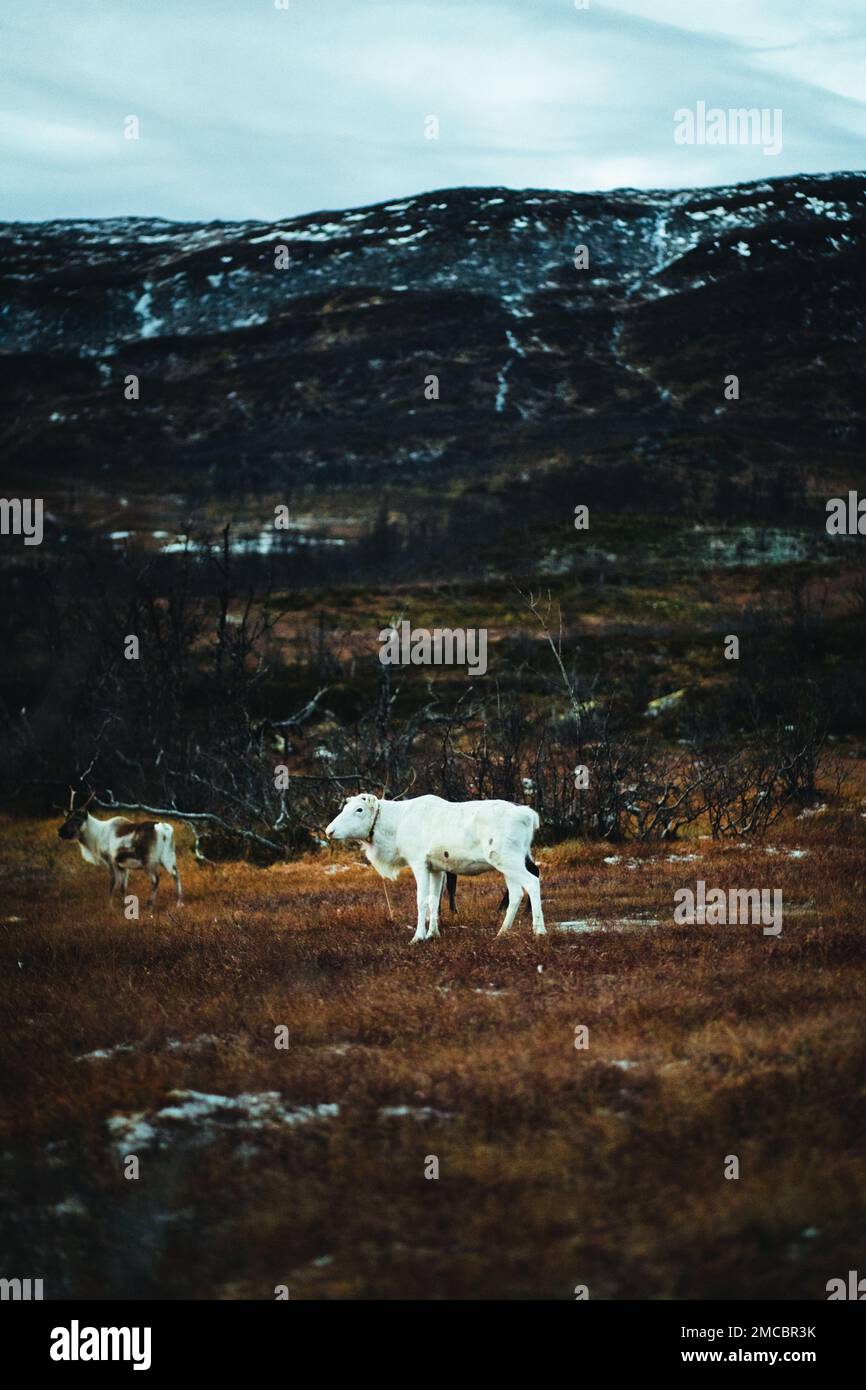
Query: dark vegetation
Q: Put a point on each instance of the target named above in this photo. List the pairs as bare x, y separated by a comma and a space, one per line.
253, 710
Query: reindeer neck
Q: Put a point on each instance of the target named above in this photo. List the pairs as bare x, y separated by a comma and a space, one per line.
380, 840
89, 832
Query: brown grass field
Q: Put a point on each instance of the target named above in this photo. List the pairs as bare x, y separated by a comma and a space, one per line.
558, 1167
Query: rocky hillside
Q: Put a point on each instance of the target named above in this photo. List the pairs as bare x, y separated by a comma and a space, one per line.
256, 375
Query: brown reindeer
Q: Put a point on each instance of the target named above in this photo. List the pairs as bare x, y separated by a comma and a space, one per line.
122, 845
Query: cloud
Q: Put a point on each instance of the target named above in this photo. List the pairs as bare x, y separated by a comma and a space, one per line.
250, 111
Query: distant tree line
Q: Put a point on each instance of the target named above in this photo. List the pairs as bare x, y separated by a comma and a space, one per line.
214, 724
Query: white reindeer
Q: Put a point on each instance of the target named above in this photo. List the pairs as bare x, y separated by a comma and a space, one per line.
435, 837
122, 845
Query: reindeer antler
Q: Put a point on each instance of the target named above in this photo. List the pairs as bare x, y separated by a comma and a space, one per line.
71, 798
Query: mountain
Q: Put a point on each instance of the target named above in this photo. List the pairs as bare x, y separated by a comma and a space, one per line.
313, 375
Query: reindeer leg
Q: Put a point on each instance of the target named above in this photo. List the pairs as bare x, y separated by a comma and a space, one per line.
433, 896
422, 877
515, 893
451, 883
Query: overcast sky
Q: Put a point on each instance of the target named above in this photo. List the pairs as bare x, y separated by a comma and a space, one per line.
247, 110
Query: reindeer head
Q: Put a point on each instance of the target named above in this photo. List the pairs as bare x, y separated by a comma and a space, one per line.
356, 819
71, 827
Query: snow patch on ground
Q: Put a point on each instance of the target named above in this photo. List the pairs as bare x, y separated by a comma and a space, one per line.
414, 1112
197, 1117
102, 1054
149, 324
590, 924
